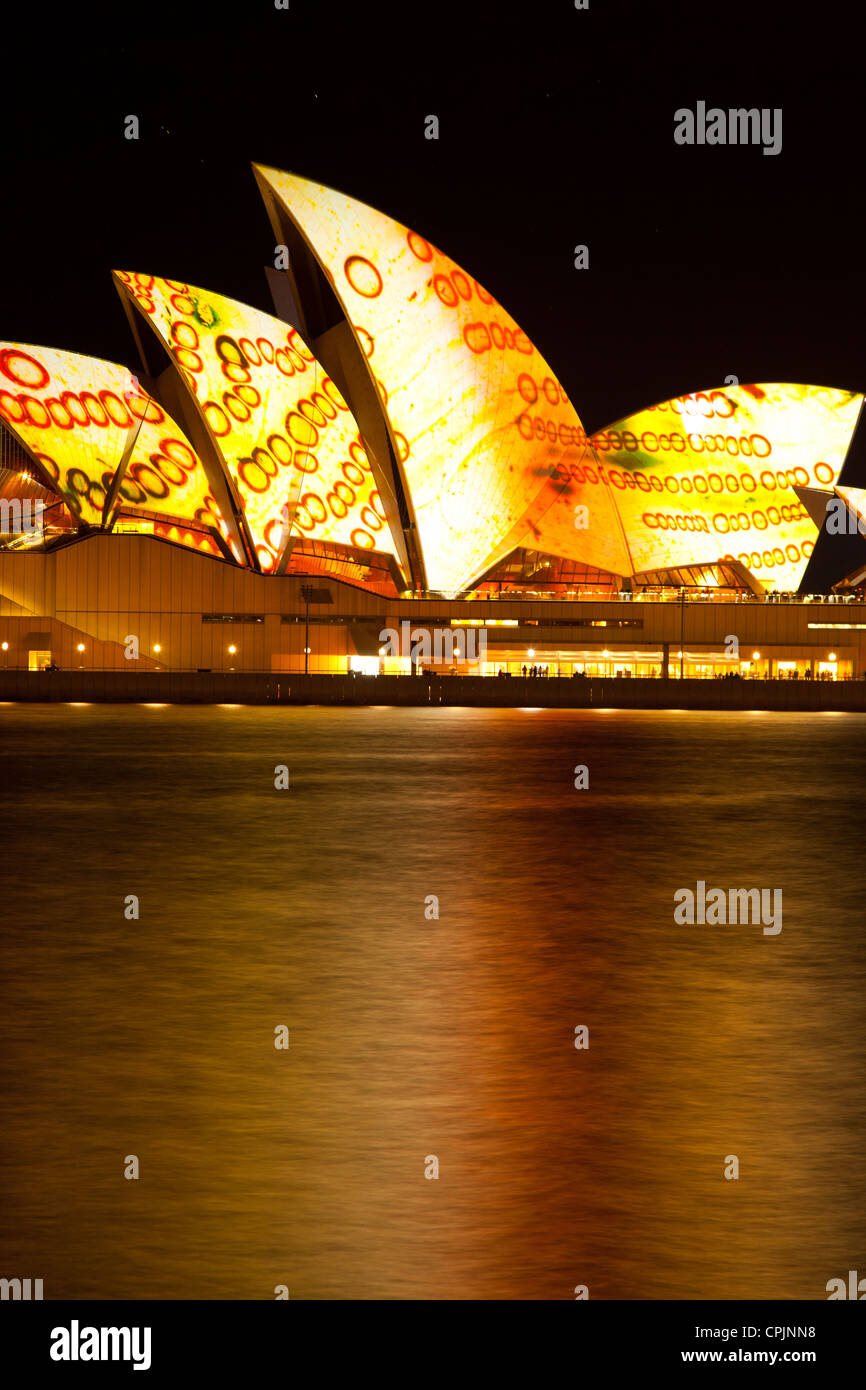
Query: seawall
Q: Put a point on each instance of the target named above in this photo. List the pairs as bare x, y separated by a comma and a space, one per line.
265, 688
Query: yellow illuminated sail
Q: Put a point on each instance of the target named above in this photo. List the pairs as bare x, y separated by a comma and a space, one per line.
282, 429
165, 481
712, 475
487, 440
76, 415
81, 418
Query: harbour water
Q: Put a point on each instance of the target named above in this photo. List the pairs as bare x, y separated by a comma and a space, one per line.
412, 1035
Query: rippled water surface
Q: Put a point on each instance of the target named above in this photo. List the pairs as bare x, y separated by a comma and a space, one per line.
413, 1037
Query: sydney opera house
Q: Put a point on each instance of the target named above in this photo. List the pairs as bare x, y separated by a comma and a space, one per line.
271, 491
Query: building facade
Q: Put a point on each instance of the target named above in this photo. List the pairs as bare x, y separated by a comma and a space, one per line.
135, 603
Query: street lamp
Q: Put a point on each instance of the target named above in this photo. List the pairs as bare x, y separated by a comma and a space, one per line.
306, 595
310, 594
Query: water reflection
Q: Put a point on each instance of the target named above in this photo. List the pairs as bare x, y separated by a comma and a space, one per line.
413, 1036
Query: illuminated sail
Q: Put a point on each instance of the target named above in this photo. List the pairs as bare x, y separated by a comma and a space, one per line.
76, 416
714, 475
281, 428
484, 433
104, 444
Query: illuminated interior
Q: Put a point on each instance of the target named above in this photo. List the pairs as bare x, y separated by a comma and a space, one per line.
855, 500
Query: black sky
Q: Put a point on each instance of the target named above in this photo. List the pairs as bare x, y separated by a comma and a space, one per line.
556, 128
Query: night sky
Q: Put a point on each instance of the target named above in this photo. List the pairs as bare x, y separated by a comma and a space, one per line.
556, 128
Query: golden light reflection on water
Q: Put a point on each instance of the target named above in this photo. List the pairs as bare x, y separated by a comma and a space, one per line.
412, 1037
